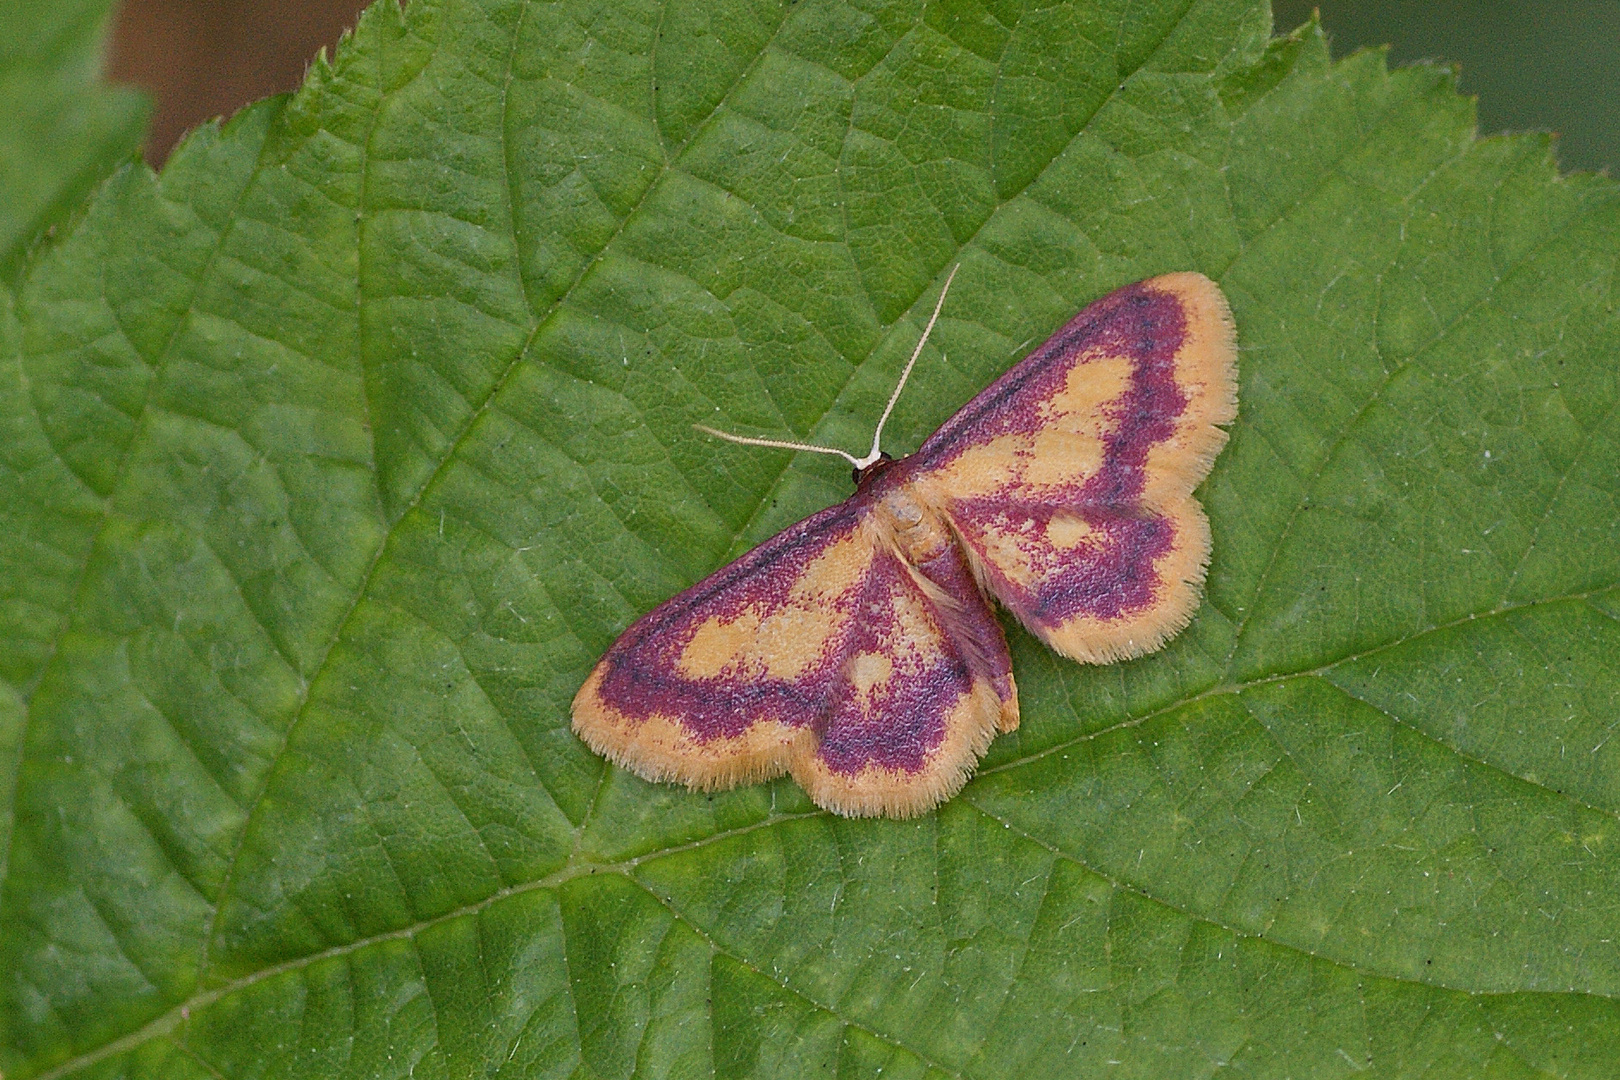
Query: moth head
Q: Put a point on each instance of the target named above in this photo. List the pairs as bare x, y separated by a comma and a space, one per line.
865, 474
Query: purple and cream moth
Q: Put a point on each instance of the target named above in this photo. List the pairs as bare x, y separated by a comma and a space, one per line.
857, 649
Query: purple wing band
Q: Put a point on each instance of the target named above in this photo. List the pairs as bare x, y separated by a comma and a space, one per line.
642, 668
1115, 575
895, 723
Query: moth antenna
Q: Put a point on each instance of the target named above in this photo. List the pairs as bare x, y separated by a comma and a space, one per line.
877, 435
779, 444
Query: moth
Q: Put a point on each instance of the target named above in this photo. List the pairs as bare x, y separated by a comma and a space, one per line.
857, 650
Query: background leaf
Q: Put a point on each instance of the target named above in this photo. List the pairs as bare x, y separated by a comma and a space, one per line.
1541, 66
64, 131
334, 456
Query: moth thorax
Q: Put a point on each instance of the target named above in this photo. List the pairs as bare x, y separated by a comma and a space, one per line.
917, 532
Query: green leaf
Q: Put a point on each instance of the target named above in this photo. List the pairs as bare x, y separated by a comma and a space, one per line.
64, 131
334, 456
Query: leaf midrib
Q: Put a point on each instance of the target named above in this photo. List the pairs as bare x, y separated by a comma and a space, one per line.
180, 1013
626, 866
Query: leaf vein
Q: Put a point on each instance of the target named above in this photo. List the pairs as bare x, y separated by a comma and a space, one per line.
1127, 887
1225, 689
881, 1036
1470, 757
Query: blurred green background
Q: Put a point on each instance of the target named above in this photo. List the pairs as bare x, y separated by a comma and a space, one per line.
1544, 65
